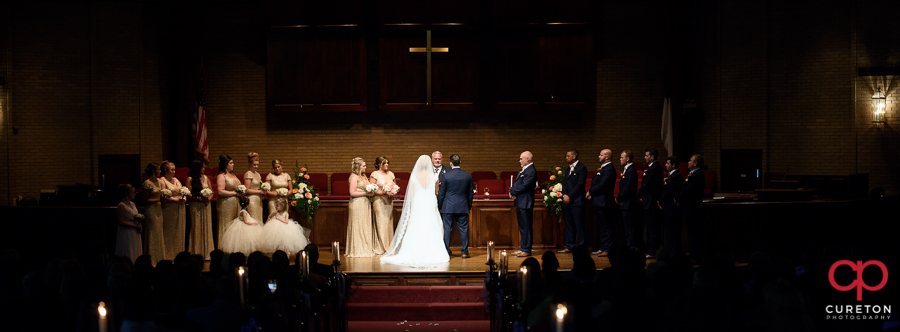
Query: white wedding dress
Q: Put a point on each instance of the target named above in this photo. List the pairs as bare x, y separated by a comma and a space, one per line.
419, 237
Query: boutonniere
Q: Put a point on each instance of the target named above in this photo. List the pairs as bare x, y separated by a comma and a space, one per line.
686, 180
521, 175
645, 173
623, 175
444, 171
598, 173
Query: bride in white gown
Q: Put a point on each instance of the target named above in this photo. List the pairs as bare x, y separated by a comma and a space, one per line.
419, 238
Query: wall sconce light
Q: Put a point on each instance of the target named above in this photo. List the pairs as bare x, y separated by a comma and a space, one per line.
878, 101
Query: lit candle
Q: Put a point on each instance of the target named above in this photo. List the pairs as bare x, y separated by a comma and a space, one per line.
241, 284
504, 260
304, 264
102, 320
490, 252
523, 283
335, 251
560, 317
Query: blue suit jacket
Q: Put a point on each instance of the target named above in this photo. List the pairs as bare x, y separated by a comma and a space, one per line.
628, 189
672, 187
603, 185
651, 186
573, 184
523, 188
456, 192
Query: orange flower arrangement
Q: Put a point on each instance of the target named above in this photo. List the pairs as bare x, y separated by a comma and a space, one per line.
552, 177
294, 191
306, 176
308, 195
293, 203
558, 168
305, 198
558, 194
303, 169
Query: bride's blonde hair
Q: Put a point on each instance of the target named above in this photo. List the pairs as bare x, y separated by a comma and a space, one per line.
356, 167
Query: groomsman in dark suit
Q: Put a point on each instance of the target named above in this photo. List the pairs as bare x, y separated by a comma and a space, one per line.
574, 199
648, 193
522, 193
454, 202
626, 199
671, 212
690, 200
603, 185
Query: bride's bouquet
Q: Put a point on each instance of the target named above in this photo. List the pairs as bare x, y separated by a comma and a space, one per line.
265, 186
166, 193
206, 193
391, 189
282, 192
241, 189
184, 191
371, 189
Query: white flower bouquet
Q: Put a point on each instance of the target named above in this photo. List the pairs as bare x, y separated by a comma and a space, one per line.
391, 188
241, 189
206, 193
184, 191
281, 192
265, 186
165, 193
371, 189
139, 218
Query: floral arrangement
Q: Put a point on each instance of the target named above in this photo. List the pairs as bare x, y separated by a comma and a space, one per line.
282, 192
241, 189
184, 191
552, 195
206, 193
391, 188
371, 189
165, 193
304, 198
265, 186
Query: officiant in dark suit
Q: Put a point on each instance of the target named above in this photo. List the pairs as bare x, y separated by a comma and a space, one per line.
603, 186
574, 199
437, 160
522, 193
454, 202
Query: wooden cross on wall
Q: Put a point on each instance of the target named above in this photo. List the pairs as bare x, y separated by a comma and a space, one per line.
428, 50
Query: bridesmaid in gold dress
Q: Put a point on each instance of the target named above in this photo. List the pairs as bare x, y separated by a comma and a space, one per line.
173, 212
277, 179
201, 239
252, 181
360, 236
383, 206
227, 206
153, 216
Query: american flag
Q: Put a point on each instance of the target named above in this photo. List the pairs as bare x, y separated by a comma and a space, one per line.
199, 127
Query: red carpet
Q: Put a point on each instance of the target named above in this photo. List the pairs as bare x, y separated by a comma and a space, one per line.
417, 308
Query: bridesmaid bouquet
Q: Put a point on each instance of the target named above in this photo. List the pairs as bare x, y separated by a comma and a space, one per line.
241, 189
184, 191
265, 186
371, 189
206, 193
165, 193
391, 188
281, 192
139, 218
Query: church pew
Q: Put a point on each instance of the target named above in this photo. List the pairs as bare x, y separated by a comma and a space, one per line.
479, 175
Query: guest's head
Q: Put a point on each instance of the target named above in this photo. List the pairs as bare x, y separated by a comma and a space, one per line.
168, 168
358, 166
276, 166
126, 192
571, 156
525, 158
671, 163
197, 167
253, 160
381, 163
312, 252
437, 159
550, 262
281, 258
625, 157
244, 202
650, 154
696, 162
605, 156
152, 170
236, 259
215, 261
226, 165
454, 160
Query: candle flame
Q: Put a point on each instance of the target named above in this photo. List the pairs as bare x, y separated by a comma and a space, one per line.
524, 270
102, 309
241, 271
561, 311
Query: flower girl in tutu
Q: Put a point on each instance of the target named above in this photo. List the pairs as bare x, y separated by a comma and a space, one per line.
243, 233
282, 233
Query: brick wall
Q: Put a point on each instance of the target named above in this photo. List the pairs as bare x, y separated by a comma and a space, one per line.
88, 79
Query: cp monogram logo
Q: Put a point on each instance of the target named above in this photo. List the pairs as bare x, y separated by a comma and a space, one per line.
858, 283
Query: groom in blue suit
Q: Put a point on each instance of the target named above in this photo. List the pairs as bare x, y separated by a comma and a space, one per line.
454, 201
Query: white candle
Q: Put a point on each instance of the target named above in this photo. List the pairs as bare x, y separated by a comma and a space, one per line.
102, 323
241, 282
304, 264
523, 282
504, 260
490, 252
560, 317
336, 252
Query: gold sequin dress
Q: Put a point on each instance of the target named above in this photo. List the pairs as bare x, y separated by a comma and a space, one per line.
153, 224
255, 208
383, 206
360, 233
201, 239
278, 181
227, 208
173, 220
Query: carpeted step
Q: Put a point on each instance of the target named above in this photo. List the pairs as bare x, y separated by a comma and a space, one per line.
418, 311
423, 326
414, 294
